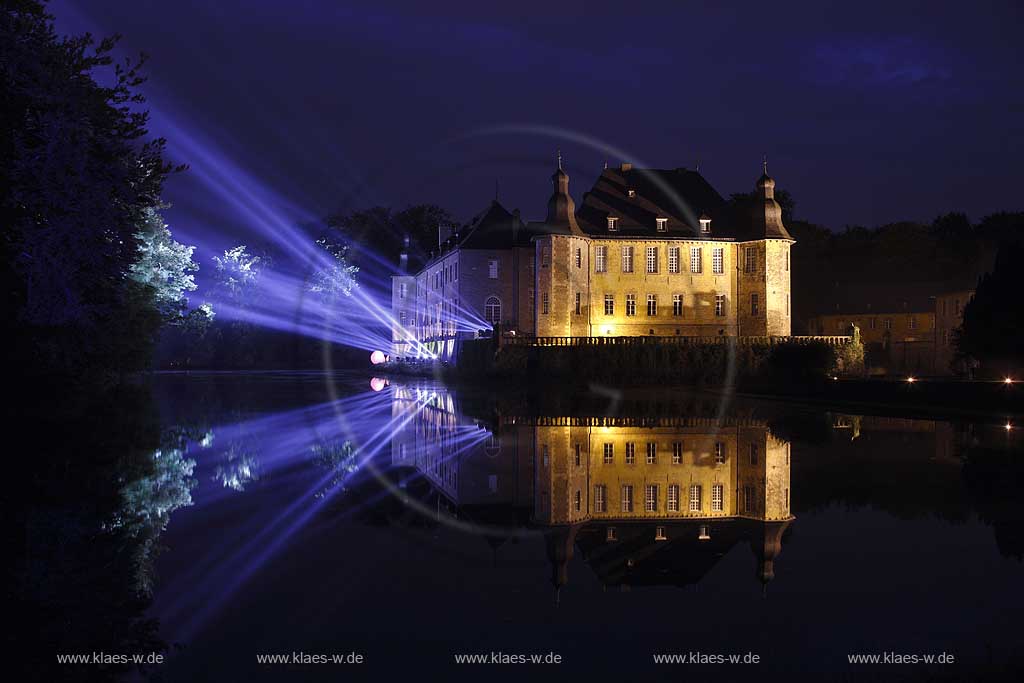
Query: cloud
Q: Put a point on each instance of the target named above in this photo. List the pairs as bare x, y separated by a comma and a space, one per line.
878, 63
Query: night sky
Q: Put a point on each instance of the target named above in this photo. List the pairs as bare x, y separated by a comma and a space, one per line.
868, 112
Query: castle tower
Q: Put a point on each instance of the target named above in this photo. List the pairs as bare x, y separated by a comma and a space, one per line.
764, 300
562, 258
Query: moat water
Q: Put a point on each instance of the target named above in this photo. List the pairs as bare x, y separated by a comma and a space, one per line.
412, 524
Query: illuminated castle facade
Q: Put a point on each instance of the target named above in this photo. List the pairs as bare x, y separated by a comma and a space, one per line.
649, 252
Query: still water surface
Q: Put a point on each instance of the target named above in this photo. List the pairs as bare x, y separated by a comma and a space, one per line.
410, 523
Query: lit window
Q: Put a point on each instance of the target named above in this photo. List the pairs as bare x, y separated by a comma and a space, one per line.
609, 453
719, 305
600, 259
600, 498
492, 269
677, 453
887, 323
652, 452
578, 304
695, 503
610, 534
545, 304
651, 498
652, 259
717, 261
652, 304
627, 497
659, 534
630, 453
631, 193
912, 323
630, 305
492, 310
717, 495
662, 224
719, 453
749, 259
627, 259
613, 224
753, 304
677, 304
705, 225
673, 259
579, 257
672, 503
695, 264
609, 304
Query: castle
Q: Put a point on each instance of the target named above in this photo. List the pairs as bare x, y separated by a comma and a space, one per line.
649, 252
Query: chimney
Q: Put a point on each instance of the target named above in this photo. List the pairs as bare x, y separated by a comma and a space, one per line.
403, 258
444, 231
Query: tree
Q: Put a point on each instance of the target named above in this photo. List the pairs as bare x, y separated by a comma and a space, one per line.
165, 266
335, 280
76, 180
238, 273
993, 318
377, 234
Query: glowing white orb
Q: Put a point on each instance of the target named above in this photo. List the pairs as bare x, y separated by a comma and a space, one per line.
377, 357
378, 383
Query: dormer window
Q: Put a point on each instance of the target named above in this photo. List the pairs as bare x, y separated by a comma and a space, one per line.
613, 224
631, 193
662, 224
705, 225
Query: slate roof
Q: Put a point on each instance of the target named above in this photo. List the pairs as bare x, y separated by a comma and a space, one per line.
680, 195
854, 298
492, 228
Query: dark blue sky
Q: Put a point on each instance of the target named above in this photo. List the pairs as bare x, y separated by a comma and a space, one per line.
868, 112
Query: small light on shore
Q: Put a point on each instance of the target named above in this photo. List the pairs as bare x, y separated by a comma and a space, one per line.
911, 380
1008, 380
1009, 426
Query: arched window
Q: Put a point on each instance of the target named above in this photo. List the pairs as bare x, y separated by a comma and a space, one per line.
492, 310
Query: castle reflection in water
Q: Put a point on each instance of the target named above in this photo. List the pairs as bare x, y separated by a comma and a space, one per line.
646, 501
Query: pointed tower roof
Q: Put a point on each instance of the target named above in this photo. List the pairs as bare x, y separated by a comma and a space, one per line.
561, 215
767, 214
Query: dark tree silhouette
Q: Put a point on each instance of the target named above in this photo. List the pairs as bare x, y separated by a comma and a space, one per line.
994, 318
380, 232
76, 179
